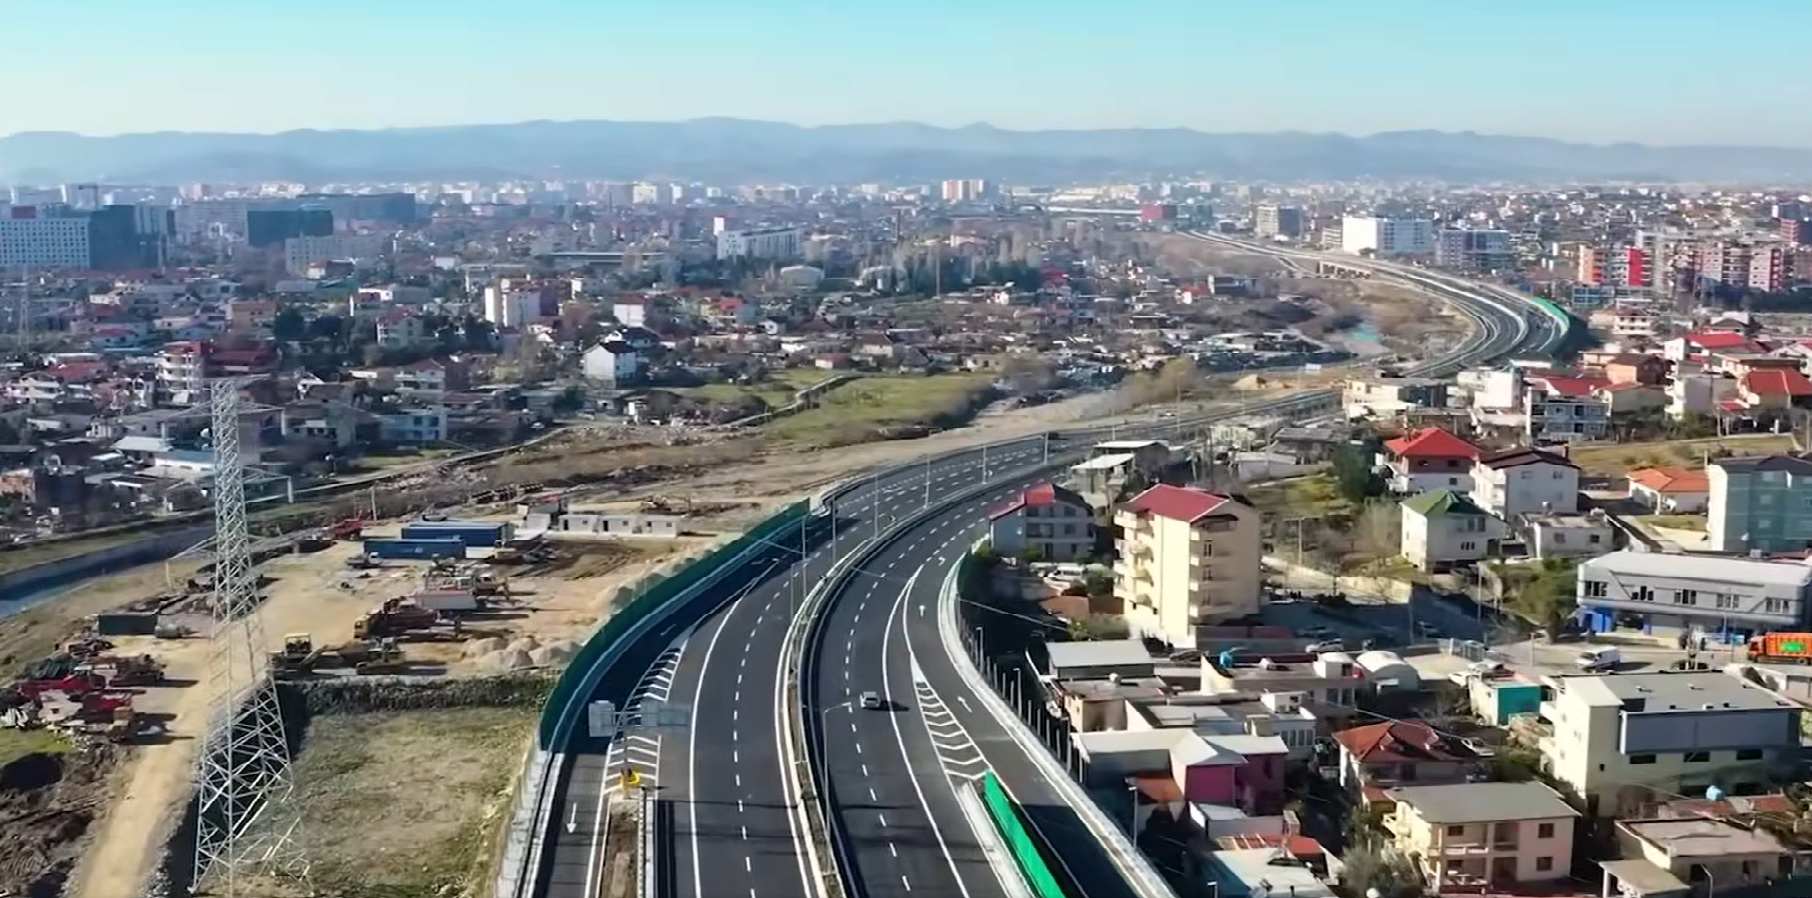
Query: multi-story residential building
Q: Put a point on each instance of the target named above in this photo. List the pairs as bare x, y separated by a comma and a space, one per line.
401, 329
1387, 236
1623, 266
1684, 850
1055, 523
1732, 598
1272, 220
1564, 409
507, 306
1759, 503
1773, 389
1378, 757
1444, 527
612, 362
433, 377
1187, 558
182, 370
419, 426
1467, 836
1677, 731
1385, 396
1516, 482
771, 244
1428, 459
1474, 250
302, 253
1771, 268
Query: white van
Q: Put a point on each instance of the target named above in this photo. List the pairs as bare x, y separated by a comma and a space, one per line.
1601, 658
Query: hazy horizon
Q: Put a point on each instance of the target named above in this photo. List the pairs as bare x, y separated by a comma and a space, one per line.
1591, 73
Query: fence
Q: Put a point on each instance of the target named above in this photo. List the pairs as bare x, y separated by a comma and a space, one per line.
653, 592
1026, 856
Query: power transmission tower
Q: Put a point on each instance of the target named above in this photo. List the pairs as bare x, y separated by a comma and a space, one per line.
245, 820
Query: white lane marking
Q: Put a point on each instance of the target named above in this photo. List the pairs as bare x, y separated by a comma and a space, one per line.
895, 617
908, 885
698, 877
745, 833
748, 865
883, 819
892, 850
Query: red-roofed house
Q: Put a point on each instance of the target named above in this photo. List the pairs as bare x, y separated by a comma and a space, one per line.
1561, 409
1381, 756
1188, 558
1773, 389
1671, 490
1698, 343
1428, 459
1055, 523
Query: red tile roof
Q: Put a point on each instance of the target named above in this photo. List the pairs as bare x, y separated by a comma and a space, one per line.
1041, 493
1178, 503
1777, 382
1671, 480
1430, 442
1722, 340
1401, 740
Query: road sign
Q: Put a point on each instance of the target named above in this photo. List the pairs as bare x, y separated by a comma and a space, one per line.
601, 719
659, 715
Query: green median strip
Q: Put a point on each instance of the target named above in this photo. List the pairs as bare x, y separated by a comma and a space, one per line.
1012, 829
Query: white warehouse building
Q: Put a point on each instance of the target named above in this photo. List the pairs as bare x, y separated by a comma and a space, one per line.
778, 244
1387, 236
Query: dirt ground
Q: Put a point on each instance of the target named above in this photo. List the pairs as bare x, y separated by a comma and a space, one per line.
431, 787
47, 802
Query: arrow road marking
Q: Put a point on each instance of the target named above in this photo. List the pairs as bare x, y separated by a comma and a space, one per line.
572, 822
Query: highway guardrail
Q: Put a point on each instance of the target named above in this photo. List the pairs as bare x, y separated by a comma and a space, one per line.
1004, 813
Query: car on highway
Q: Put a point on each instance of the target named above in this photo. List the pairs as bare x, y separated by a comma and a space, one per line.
871, 700
1326, 645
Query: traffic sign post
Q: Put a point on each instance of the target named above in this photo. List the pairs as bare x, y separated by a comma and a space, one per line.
605, 721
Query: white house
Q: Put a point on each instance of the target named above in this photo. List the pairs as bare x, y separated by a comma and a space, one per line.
612, 362
1516, 482
1056, 522
1444, 527
1670, 490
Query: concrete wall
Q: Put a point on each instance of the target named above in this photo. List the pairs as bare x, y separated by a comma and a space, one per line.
52, 574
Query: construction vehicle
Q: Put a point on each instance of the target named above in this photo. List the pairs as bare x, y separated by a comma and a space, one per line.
1781, 647
345, 528
385, 657
126, 671
73, 685
394, 618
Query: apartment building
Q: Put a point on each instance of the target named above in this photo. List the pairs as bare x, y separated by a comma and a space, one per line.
1386, 396
1680, 732
1187, 558
1271, 220
1387, 236
772, 244
1759, 503
1442, 528
1623, 266
1472, 836
1474, 250
1054, 523
1516, 482
1732, 597
1565, 409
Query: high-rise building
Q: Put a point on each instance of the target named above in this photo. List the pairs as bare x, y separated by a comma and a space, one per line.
1796, 231
1272, 220
1621, 266
270, 227
33, 239
1387, 236
1474, 250
379, 208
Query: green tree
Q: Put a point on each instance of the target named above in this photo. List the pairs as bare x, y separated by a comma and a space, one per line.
1355, 476
1547, 595
289, 325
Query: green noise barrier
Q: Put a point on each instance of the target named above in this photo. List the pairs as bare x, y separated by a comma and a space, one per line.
652, 593
1026, 856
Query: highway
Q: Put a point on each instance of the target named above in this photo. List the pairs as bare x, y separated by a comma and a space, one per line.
889, 773
727, 829
718, 782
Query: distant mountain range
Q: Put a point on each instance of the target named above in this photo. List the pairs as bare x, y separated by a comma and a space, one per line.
727, 151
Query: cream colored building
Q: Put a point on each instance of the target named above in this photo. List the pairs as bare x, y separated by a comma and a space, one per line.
1699, 854
1187, 558
1468, 835
1614, 737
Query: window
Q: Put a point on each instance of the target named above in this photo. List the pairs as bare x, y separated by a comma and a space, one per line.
1595, 538
1456, 830
1544, 831
1642, 759
1749, 754
1776, 606
1642, 594
1698, 757
1686, 597
1726, 602
1596, 589
1468, 547
1544, 864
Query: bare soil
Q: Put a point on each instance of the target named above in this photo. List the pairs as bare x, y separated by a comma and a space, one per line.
47, 803
404, 805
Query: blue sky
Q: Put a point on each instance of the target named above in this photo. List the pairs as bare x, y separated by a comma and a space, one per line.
1655, 71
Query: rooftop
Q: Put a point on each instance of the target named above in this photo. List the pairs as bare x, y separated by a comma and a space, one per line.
1177, 503
1689, 567
1099, 653
1484, 802
1673, 691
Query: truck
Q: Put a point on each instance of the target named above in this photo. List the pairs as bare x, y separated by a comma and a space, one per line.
1783, 646
475, 534
394, 618
437, 547
447, 601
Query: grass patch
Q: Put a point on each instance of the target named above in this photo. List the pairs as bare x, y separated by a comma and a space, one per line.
775, 390
380, 462
34, 553
410, 804
1693, 522
16, 744
1618, 459
1315, 497
874, 408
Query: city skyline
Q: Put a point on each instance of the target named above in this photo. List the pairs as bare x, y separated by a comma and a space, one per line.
1316, 66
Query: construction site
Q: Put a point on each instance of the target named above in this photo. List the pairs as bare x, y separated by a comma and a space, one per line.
104, 725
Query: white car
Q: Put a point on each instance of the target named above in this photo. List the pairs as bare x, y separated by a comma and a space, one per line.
871, 701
